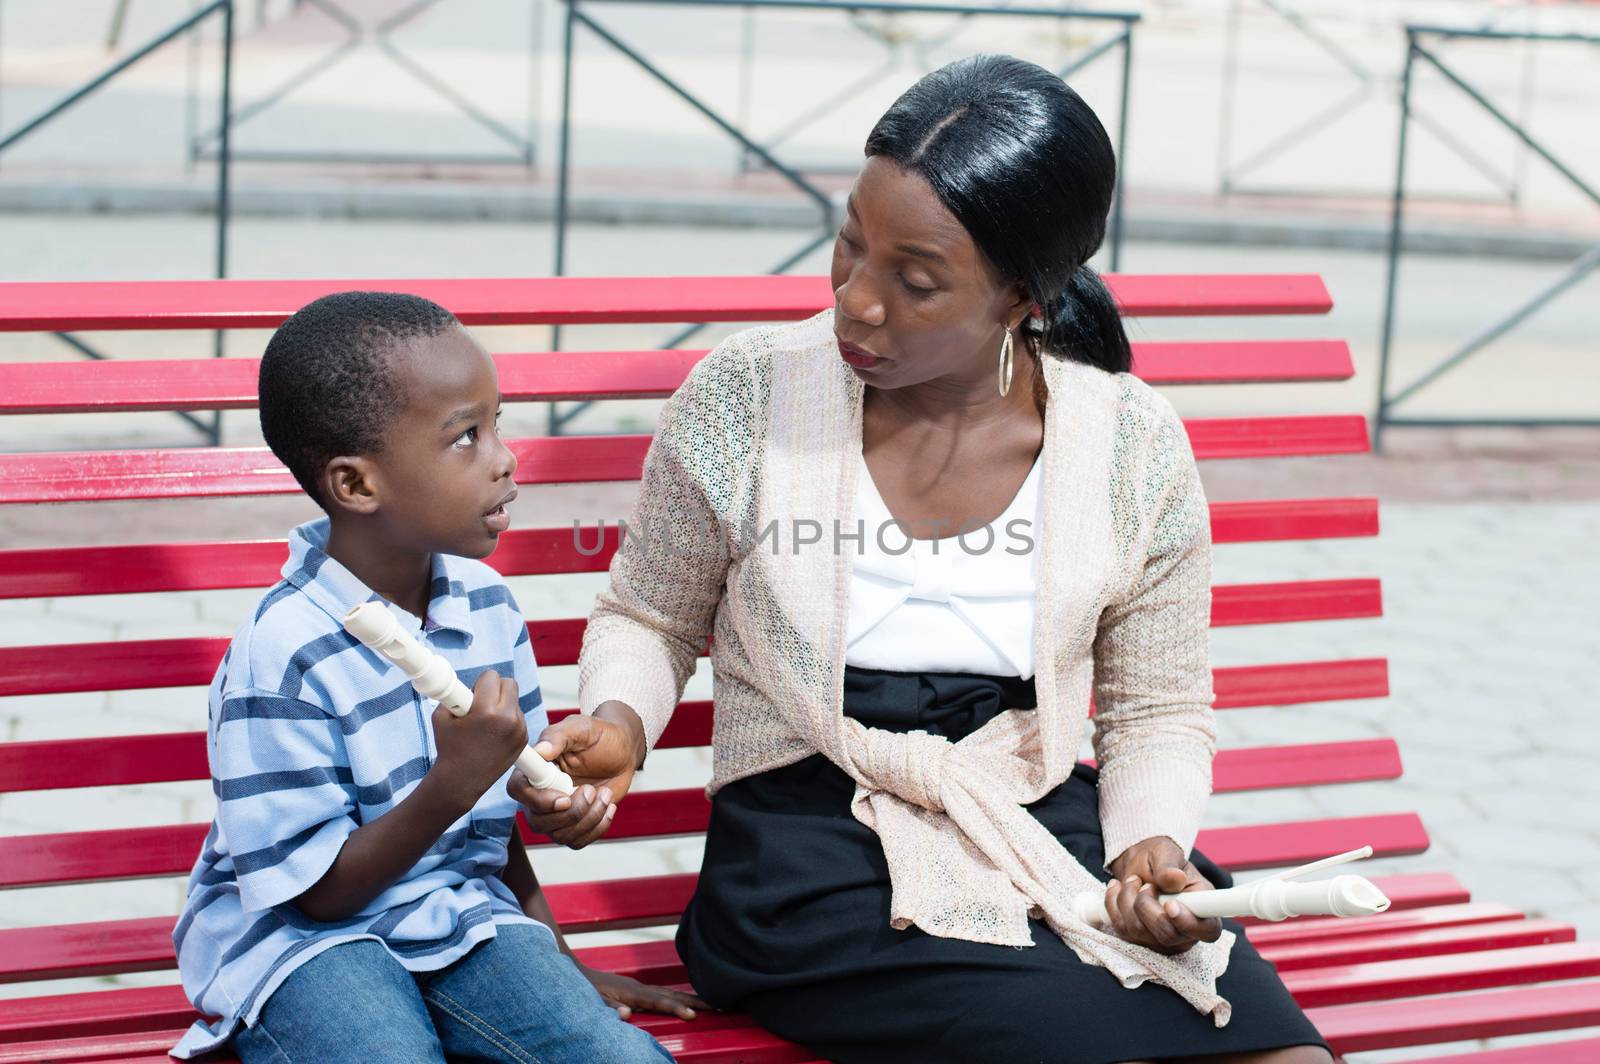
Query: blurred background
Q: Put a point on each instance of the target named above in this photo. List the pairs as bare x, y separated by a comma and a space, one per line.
378, 138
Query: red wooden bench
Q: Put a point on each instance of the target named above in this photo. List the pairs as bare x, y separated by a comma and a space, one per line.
1439, 967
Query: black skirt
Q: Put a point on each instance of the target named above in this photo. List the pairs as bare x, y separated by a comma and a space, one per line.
790, 923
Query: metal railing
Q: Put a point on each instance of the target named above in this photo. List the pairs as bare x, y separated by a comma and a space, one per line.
1367, 84
224, 10
1418, 39
522, 147
766, 154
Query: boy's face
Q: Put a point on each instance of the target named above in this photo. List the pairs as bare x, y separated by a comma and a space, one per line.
444, 474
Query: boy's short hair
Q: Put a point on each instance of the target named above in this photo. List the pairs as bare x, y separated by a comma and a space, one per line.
327, 387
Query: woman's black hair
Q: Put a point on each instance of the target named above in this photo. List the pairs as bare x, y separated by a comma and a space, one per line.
1027, 168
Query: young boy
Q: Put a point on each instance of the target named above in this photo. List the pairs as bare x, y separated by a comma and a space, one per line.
363, 893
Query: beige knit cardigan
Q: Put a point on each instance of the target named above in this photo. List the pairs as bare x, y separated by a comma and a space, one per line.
742, 531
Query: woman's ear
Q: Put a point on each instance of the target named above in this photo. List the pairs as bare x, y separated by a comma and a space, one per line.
351, 484
1019, 308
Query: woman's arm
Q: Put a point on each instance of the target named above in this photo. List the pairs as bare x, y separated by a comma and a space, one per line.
1154, 733
652, 622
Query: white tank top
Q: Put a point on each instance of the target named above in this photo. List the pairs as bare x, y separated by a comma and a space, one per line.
959, 604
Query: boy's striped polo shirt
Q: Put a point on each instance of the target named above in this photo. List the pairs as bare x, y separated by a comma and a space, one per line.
312, 735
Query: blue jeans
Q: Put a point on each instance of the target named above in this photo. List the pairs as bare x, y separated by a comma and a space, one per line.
513, 998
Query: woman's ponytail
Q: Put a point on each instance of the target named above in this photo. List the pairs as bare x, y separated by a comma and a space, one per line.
1082, 323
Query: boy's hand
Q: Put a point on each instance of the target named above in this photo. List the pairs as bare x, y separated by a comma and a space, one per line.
600, 757
475, 750
625, 995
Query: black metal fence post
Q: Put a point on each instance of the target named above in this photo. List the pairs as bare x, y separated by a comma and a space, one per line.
1396, 220
1581, 267
754, 152
212, 428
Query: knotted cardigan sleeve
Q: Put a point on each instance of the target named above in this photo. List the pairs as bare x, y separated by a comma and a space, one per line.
1154, 732
652, 622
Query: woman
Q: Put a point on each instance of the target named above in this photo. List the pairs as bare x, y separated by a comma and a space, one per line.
919, 529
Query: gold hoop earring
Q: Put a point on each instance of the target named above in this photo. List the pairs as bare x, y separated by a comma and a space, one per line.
1005, 363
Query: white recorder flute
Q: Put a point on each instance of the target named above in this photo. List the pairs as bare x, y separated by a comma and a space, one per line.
432, 676
1271, 897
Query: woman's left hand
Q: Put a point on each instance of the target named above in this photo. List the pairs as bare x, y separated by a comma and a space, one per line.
1141, 872
625, 995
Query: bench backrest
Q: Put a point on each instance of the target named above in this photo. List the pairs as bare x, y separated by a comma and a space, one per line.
79, 855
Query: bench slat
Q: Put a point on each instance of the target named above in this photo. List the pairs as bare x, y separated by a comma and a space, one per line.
178, 756
1323, 928
1310, 681
145, 944
221, 472
1241, 849
139, 569
167, 757
1305, 765
1349, 1028
142, 1008
1432, 942
130, 385
139, 664
1458, 1017
1579, 1051
1433, 975
74, 305
170, 849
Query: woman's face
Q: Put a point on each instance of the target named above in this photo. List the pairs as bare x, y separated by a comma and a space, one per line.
914, 299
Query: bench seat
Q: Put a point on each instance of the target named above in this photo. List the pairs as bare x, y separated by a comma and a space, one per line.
1439, 967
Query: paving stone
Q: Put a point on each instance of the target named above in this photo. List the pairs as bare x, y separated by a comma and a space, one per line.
177, 607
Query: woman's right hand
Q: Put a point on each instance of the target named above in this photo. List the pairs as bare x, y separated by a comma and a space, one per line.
1138, 917
600, 752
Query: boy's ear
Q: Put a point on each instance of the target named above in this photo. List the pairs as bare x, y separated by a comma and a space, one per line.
350, 483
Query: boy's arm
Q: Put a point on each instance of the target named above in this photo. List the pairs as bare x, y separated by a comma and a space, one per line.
620, 992
474, 752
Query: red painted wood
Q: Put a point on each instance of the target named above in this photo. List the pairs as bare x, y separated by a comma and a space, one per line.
1579, 1051
1327, 928
1278, 437
1309, 681
1302, 600
130, 664
744, 1045
125, 760
1307, 765
164, 850
1296, 842
92, 1048
1281, 519
48, 306
98, 1012
126, 665
107, 1012
48, 764
1431, 942
85, 856
216, 472
1459, 1017
147, 942
124, 385
1242, 361
59, 572
68, 571
1439, 975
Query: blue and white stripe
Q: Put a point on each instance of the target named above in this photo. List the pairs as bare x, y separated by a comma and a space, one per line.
312, 735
